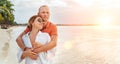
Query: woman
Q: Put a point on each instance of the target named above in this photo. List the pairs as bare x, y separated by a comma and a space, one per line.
34, 39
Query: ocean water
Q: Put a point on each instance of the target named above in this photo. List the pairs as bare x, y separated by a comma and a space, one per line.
76, 45
89, 45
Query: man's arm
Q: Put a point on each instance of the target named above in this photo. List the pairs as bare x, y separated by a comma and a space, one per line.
23, 47
20, 41
48, 46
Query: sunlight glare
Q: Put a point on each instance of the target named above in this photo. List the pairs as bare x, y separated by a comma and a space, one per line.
105, 21
68, 45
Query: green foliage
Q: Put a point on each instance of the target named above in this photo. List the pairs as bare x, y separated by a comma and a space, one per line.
6, 12
1, 18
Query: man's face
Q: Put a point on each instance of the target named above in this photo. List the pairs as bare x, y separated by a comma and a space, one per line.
44, 13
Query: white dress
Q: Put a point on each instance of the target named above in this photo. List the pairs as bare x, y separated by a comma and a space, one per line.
44, 57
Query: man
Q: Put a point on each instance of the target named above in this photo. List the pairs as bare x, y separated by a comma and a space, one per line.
50, 28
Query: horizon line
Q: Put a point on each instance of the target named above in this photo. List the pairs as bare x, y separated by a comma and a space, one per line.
67, 24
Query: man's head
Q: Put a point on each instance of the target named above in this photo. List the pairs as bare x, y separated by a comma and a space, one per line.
44, 12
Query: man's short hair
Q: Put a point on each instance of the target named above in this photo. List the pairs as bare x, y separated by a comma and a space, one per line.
43, 6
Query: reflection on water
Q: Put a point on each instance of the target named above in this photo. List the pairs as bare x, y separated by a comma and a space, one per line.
77, 45
88, 45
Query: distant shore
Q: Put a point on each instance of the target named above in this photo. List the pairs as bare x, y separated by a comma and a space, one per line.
6, 26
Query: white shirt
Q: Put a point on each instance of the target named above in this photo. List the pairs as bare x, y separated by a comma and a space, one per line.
44, 57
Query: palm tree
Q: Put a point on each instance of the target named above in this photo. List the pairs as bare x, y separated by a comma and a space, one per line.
6, 12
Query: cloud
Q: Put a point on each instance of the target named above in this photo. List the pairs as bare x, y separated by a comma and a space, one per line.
66, 11
26, 8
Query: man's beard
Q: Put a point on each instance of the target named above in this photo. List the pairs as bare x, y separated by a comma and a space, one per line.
45, 19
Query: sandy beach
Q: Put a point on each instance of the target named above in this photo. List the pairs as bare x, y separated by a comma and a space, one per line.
89, 46
8, 47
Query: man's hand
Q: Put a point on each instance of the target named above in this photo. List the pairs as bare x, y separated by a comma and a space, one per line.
25, 53
29, 53
36, 50
33, 55
36, 47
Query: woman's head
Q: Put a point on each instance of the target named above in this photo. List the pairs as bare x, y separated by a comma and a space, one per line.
35, 22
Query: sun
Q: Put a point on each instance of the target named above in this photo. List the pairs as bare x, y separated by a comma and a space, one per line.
105, 20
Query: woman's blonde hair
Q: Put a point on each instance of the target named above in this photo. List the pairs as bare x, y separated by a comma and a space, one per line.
32, 19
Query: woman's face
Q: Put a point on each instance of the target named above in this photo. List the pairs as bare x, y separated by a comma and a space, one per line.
37, 23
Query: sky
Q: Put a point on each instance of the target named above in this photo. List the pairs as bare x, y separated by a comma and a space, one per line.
104, 12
